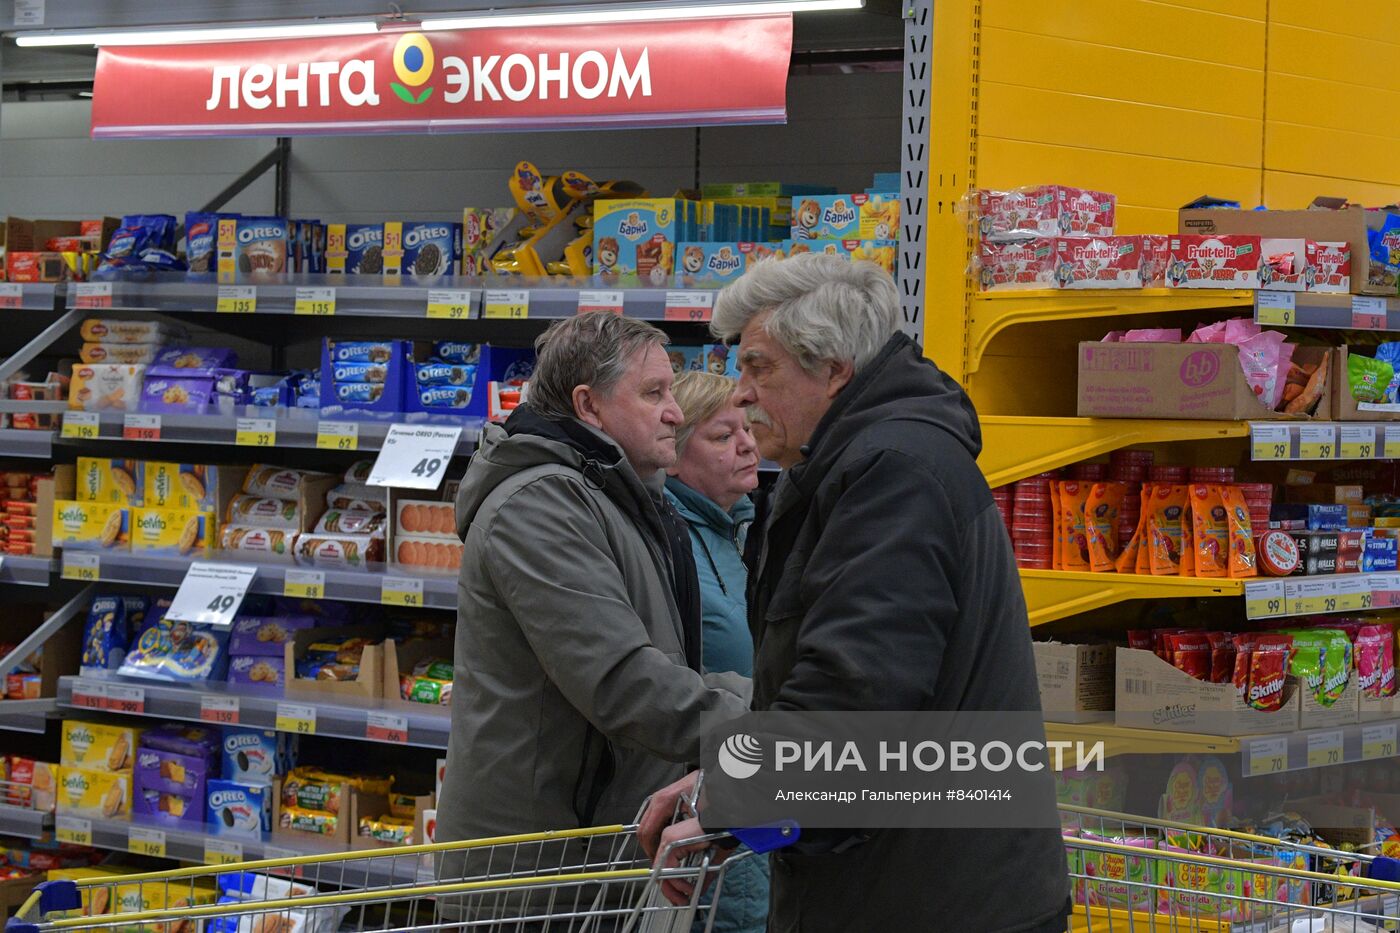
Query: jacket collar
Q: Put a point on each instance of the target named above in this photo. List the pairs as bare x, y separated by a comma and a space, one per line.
697, 508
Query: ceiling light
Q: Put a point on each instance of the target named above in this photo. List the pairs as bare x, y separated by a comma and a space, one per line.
212, 34
649, 13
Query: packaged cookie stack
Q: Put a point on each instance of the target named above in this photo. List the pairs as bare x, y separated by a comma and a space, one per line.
114, 358
29, 783
275, 504
174, 763
316, 801
350, 532
256, 656
94, 779
17, 525
425, 534
240, 802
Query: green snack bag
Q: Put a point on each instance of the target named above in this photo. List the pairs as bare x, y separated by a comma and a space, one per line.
1368, 378
1306, 665
1326, 666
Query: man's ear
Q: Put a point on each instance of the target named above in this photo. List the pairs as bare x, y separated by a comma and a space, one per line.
839, 373
586, 407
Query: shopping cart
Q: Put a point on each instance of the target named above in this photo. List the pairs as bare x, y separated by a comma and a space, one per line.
593, 880
1132, 873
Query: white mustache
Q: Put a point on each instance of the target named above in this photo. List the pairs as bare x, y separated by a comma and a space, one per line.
756, 415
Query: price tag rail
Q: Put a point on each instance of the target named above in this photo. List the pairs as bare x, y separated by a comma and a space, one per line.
1324, 440
1272, 597
426, 727
1318, 748
24, 822
1327, 310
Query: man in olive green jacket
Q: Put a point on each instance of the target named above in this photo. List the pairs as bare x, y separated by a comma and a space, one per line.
576, 687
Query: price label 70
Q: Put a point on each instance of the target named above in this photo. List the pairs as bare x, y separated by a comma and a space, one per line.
1268, 756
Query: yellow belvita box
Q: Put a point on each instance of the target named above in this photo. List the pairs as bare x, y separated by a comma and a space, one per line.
88, 525
98, 746
102, 795
194, 486
171, 531
102, 480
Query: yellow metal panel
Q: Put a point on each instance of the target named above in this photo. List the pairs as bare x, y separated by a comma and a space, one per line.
1136, 24
1288, 190
1016, 447
1056, 64
1141, 182
1332, 104
1100, 123
1363, 19
1316, 54
1249, 9
1056, 594
1333, 153
1120, 740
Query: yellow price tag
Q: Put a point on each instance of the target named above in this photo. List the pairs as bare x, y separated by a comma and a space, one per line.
1264, 600
318, 301
1378, 741
1276, 308
450, 304
1324, 748
236, 299
222, 852
1268, 441
293, 717
1358, 442
304, 584
402, 591
1317, 441
255, 432
82, 567
338, 435
1268, 756
514, 304
144, 841
72, 830
83, 425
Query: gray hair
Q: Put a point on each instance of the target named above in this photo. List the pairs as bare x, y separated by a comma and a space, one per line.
591, 349
823, 307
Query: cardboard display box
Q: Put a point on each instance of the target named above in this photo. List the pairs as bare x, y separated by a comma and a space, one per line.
1373, 708
62, 652
1345, 712
345, 821
1076, 681
61, 485
1322, 225
368, 683
1193, 381
372, 805
1346, 408
1152, 694
399, 659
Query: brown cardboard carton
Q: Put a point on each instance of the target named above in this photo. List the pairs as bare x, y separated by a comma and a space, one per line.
1076, 681
1193, 381
1373, 708
1322, 225
50, 489
368, 683
1346, 408
369, 806
1335, 823
344, 821
1344, 712
399, 659
1152, 694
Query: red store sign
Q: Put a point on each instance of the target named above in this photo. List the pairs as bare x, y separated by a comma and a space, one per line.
693, 72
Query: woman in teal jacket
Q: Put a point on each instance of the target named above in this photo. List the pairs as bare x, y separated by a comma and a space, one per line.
716, 468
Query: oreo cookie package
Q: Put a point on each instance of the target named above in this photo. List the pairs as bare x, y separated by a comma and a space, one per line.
433, 248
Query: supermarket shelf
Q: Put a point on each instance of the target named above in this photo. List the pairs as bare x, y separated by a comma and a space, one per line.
17, 443
188, 845
1324, 440
294, 427
1121, 740
33, 296
1316, 595
361, 295
1055, 594
1318, 748
1014, 446
427, 727
993, 312
365, 585
22, 821
1319, 309
27, 571
26, 715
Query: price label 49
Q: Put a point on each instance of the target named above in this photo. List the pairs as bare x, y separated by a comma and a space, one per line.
414, 456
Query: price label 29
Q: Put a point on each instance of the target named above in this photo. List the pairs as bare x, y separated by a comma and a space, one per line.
1317, 441
1358, 441
1269, 441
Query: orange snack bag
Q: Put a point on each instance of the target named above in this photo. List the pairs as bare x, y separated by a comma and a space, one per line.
1075, 548
1057, 556
1243, 562
1164, 529
1144, 555
1101, 524
1210, 545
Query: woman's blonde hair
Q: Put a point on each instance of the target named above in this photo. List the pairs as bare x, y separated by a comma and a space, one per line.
701, 396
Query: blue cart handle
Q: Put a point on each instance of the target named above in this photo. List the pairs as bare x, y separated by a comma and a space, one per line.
769, 836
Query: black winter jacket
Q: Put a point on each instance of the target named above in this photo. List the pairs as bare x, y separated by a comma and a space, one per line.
887, 582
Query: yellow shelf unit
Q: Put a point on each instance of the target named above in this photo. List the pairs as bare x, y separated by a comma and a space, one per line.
1057, 594
1014, 447
993, 312
1121, 740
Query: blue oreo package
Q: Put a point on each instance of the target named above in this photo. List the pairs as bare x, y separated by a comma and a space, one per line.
238, 809
359, 391
451, 351
202, 240
445, 396
110, 624
445, 374
361, 351
433, 248
359, 372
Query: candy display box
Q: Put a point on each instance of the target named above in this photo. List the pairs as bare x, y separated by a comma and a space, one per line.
1152, 694
1076, 681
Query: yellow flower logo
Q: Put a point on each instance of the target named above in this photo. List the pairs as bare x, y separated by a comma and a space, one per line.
413, 63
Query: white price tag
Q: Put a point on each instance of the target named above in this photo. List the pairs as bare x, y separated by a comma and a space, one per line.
1392, 441
29, 12
414, 456
73, 830
1267, 756
296, 717
338, 435
304, 584
255, 432
144, 840
84, 425
1378, 741
80, 566
1358, 441
11, 295
1367, 313
318, 301
694, 307
450, 303
236, 299
386, 727
402, 591
1317, 441
1268, 441
210, 594
222, 851
92, 295
600, 301
1264, 600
